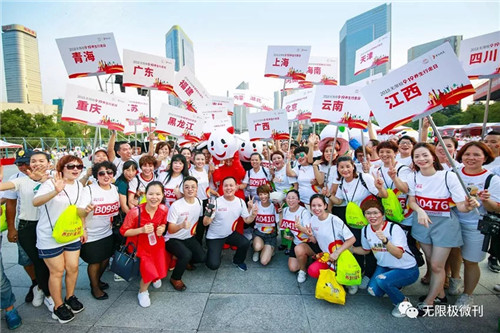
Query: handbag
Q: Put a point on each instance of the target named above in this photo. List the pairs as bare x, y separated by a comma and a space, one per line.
328, 288
69, 226
126, 264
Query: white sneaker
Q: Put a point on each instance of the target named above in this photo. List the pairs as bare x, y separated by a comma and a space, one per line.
301, 277
157, 284
38, 297
396, 312
144, 300
256, 256
364, 282
49, 303
456, 287
496, 287
352, 290
118, 278
465, 301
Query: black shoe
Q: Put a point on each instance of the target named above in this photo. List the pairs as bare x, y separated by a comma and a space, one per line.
63, 314
281, 247
100, 298
493, 264
29, 295
287, 252
437, 300
102, 285
74, 304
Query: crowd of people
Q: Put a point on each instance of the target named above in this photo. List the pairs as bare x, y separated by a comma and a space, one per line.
385, 202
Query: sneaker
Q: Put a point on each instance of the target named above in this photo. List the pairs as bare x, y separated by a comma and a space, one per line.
301, 277
465, 301
29, 295
144, 300
13, 319
396, 312
425, 310
38, 297
437, 301
49, 303
118, 278
157, 284
496, 287
255, 256
242, 266
364, 282
493, 265
63, 314
456, 287
74, 304
352, 290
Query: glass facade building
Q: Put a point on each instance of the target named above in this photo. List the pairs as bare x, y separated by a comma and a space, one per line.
418, 50
357, 32
21, 64
178, 46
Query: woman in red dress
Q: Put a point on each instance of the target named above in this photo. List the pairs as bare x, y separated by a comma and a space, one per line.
144, 226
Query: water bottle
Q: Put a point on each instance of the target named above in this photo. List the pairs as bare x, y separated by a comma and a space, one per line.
289, 234
152, 238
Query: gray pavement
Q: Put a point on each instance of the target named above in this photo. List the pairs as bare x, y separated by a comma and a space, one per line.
262, 299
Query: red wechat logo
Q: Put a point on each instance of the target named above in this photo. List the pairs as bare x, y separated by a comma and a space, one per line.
410, 92
477, 58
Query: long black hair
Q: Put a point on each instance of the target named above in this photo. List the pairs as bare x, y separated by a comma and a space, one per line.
184, 172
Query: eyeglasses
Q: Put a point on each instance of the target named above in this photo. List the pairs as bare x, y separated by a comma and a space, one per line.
103, 173
72, 166
372, 213
300, 155
406, 143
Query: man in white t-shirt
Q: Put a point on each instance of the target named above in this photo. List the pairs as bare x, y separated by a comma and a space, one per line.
222, 220
125, 152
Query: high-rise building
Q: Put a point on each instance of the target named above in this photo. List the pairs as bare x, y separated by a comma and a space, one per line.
418, 50
179, 47
21, 64
59, 102
239, 118
357, 32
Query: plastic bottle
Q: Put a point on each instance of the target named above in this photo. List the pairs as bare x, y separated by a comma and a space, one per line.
152, 238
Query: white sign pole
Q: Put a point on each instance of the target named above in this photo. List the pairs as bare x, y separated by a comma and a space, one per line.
363, 144
149, 102
486, 109
331, 156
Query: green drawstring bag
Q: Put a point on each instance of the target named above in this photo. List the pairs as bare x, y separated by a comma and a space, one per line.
68, 227
354, 216
348, 269
3, 220
392, 207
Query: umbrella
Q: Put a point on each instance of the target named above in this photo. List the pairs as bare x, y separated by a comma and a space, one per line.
5, 144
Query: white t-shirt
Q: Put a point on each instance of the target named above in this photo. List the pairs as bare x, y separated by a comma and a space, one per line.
305, 174
226, 217
106, 205
449, 168
138, 183
164, 165
55, 207
281, 181
384, 258
170, 187
432, 194
355, 191
265, 164
25, 188
203, 184
266, 218
119, 164
405, 161
376, 163
254, 180
332, 177
475, 184
324, 233
178, 212
493, 165
288, 221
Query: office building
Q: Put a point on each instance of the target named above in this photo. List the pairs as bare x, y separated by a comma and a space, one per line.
357, 32
59, 102
179, 47
239, 118
418, 50
21, 64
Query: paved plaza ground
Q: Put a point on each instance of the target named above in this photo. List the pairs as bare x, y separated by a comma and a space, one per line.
262, 299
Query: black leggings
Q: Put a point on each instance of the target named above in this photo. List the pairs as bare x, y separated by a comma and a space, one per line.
215, 249
186, 251
27, 239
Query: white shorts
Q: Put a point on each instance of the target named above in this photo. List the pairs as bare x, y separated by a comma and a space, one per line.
473, 242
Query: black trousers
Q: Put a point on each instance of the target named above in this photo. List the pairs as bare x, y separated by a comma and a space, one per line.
186, 251
26, 233
215, 249
200, 228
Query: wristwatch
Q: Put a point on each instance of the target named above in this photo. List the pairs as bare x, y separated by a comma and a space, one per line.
386, 241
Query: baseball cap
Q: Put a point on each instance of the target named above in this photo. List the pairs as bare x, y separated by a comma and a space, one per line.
23, 156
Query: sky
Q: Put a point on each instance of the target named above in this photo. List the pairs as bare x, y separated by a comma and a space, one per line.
231, 38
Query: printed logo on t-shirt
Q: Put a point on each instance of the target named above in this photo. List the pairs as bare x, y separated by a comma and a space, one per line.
335, 245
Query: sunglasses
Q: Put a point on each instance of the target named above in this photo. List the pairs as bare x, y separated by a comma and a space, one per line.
103, 173
72, 166
300, 155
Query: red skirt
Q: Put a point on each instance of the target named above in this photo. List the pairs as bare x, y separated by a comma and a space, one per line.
154, 264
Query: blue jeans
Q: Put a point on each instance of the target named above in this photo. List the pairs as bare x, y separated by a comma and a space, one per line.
389, 281
7, 297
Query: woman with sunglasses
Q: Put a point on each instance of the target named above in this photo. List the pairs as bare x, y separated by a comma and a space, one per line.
307, 175
53, 197
104, 204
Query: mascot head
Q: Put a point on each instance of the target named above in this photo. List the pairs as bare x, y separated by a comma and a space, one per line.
247, 148
222, 144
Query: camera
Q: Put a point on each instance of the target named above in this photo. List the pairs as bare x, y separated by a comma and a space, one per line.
489, 225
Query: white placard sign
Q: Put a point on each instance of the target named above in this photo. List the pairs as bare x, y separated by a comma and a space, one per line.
480, 56
340, 105
255, 101
142, 70
190, 91
287, 62
90, 55
87, 106
321, 70
225, 102
432, 81
239, 97
213, 123
180, 123
299, 105
268, 125
373, 54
